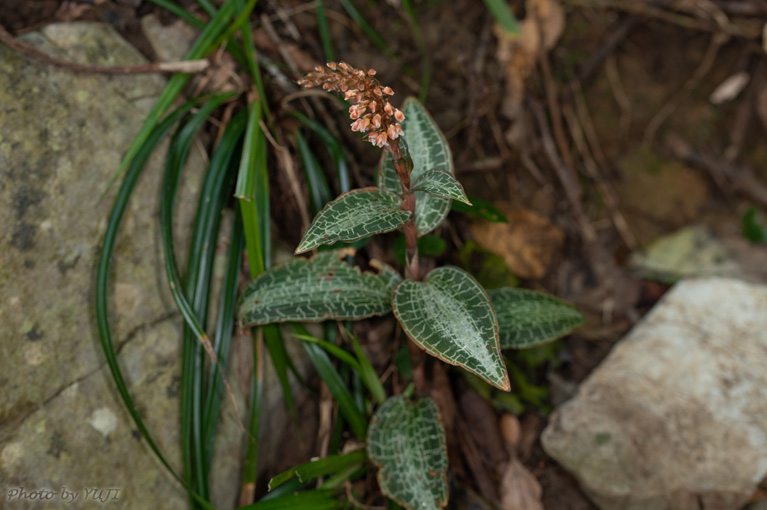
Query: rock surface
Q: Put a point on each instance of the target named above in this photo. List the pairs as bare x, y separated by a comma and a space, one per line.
674, 418
62, 136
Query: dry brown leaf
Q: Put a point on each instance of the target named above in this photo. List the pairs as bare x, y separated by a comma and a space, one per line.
519, 488
539, 31
527, 242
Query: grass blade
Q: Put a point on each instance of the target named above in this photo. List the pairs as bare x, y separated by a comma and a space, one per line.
192, 304
212, 202
317, 499
338, 389
322, 26
319, 191
245, 190
421, 43
368, 373
202, 47
333, 145
102, 282
503, 16
319, 467
369, 31
250, 469
336, 351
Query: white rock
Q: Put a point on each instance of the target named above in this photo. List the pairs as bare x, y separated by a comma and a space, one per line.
676, 417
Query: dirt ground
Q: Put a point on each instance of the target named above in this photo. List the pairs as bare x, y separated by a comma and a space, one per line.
607, 125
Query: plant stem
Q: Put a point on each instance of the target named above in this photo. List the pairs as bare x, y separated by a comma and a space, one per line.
402, 166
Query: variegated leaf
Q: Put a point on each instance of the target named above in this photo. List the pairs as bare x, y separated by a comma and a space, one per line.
441, 183
354, 215
324, 287
450, 316
407, 441
527, 318
429, 149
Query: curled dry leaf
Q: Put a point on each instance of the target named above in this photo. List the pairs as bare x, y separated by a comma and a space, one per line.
519, 488
539, 31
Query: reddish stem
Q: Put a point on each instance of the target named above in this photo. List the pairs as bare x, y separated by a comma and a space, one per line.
401, 167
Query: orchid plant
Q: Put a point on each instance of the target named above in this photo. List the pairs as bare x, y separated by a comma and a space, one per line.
445, 313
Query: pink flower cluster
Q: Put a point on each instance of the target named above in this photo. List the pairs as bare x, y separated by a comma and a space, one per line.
371, 111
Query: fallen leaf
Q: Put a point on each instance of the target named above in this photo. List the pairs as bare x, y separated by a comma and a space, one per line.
539, 31
527, 242
519, 488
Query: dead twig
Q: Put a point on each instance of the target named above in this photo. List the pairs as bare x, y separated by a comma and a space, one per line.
605, 190
746, 31
706, 63
183, 67
565, 175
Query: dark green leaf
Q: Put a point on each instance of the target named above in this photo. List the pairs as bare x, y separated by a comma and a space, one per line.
407, 442
355, 215
324, 287
450, 316
527, 318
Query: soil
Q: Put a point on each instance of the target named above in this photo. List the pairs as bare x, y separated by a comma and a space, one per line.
636, 88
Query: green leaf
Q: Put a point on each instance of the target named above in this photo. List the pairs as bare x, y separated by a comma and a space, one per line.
319, 467
324, 287
527, 318
407, 441
441, 183
354, 215
450, 316
428, 148
503, 16
317, 499
480, 208
754, 228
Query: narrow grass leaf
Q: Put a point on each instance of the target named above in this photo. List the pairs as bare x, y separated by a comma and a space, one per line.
245, 189
334, 146
204, 44
317, 499
527, 318
319, 467
336, 385
407, 442
319, 191
450, 316
368, 373
333, 349
355, 215
429, 149
322, 26
368, 30
503, 16
324, 287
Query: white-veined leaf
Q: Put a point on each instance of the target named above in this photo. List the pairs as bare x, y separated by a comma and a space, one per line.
441, 183
324, 287
407, 441
450, 316
429, 149
354, 215
527, 318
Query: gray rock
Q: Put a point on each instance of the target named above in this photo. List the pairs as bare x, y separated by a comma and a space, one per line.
171, 42
675, 417
62, 136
